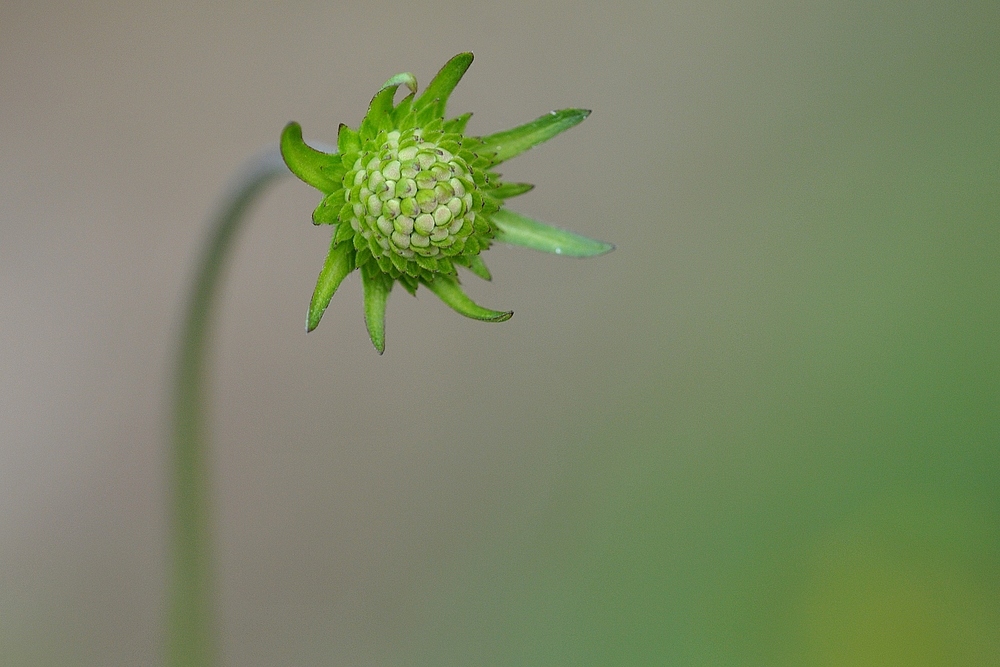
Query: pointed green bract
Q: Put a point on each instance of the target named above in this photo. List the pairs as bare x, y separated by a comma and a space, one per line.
458, 123
339, 263
508, 190
449, 291
514, 142
377, 286
478, 267
380, 111
377, 117
348, 140
444, 82
307, 163
517, 229
328, 211
402, 109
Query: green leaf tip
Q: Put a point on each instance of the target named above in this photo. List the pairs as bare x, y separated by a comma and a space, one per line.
478, 267
516, 229
339, 263
513, 142
443, 84
449, 291
376, 287
509, 190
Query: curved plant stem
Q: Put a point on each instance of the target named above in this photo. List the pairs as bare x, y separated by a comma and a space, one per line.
191, 609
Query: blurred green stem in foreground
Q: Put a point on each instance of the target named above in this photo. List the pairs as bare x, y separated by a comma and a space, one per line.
191, 611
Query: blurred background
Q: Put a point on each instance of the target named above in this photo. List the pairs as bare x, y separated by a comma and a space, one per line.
763, 431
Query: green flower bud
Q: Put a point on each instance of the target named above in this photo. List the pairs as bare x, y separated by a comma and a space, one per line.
412, 197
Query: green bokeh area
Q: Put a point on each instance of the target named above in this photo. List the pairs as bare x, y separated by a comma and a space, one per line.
796, 462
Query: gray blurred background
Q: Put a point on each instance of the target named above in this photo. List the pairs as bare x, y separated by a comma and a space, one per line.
763, 431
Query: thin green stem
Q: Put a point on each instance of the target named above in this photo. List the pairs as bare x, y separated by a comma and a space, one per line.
191, 614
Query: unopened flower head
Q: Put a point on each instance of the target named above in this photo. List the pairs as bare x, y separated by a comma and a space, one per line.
415, 201
412, 197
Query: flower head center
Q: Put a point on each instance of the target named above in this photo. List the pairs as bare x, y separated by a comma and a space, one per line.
411, 196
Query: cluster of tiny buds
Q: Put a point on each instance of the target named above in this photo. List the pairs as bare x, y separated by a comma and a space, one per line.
412, 197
